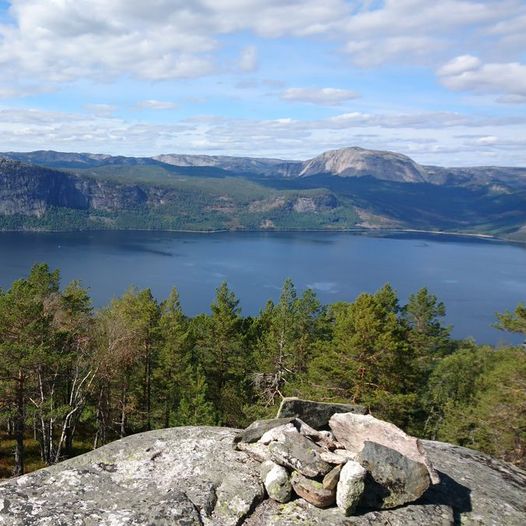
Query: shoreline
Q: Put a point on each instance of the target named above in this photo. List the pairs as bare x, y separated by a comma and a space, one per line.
373, 232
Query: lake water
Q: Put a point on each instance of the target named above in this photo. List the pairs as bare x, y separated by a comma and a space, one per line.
474, 278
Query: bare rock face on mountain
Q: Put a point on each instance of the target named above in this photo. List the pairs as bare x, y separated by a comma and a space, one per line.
194, 476
359, 162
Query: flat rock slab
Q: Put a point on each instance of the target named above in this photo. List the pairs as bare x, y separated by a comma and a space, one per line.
480, 489
354, 430
259, 428
299, 453
301, 513
316, 414
185, 476
330, 481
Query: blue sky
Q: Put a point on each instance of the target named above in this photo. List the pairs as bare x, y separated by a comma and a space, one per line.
443, 82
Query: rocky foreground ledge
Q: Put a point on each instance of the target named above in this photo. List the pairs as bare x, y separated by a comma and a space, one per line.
194, 476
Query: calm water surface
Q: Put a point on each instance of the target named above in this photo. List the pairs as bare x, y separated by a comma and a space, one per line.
474, 278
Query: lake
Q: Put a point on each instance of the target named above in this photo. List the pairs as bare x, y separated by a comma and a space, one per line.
474, 278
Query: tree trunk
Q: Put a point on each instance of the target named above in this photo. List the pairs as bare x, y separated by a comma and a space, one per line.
148, 391
122, 430
19, 426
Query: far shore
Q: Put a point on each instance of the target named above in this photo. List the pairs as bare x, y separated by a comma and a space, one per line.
379, 232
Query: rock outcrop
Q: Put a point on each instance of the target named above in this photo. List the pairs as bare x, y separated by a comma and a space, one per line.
193, 475
183, 476
359, 162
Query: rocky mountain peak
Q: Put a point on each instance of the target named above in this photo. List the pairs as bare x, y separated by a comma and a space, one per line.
359, 162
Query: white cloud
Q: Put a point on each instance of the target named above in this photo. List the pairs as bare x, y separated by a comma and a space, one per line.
427, 137
248, 61
323, 96
152, 104
62, 40
409, 30
468, 73
161, 39
459, 65
100, 110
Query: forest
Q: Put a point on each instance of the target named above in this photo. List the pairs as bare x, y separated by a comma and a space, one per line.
73, 378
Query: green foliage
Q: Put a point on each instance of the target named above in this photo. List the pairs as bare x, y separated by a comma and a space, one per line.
288, 331
513, 321
224, 357
77, 376
477, 399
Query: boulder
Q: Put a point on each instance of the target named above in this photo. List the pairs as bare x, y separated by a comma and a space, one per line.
313, 491
316, 414
299, 453
276, 481
258, 428
350, 487
330, 481
352, 430
393, 479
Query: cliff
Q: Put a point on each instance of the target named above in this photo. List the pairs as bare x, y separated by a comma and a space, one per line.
194, 476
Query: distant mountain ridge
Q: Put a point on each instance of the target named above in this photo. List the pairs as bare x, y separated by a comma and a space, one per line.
337, 190
344, 162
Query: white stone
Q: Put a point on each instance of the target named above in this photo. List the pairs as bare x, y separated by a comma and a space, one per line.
350, 486
276, 481
276, 434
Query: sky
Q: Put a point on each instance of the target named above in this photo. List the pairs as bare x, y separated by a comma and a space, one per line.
441, 81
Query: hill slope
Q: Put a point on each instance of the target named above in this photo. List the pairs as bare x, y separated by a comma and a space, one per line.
340, 189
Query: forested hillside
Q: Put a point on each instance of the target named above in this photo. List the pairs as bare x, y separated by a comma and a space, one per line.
345, 189
72, 378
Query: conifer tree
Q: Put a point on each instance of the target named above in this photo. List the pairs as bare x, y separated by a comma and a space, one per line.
223, 355
175, 358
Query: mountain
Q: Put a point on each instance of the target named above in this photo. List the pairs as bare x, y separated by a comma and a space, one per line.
359, 162
344, 162
52, 159
337, 190
246, 165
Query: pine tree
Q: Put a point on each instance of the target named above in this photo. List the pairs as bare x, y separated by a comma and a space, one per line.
223, 355
175, 358
288, 331
428, 338
194, 408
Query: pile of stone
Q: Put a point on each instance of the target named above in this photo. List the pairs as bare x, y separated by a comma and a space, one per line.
335, 454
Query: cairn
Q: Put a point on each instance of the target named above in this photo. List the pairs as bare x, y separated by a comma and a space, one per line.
337, 455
